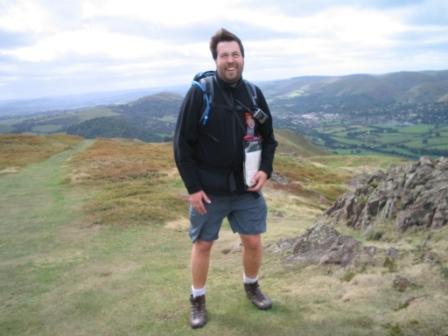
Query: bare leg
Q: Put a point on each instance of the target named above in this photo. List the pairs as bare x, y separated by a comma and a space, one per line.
252, 254
200, 260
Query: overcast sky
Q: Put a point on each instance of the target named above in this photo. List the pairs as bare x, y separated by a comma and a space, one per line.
50, 47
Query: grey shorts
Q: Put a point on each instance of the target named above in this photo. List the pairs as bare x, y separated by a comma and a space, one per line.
246, 214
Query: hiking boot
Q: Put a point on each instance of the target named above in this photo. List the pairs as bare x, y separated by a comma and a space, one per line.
255, 295
198, 315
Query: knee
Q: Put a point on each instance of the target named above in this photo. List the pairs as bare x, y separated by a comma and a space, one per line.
202, 246
251, 242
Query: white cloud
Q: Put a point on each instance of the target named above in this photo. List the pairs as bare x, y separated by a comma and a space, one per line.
166, 13
336, 41
342, 24
84, 42
132, 41
24, 16
88, 42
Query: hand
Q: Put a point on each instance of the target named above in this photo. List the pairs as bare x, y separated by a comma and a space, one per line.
197, 201
259, 180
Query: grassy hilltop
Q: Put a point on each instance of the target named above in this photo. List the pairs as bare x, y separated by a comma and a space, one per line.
93, 242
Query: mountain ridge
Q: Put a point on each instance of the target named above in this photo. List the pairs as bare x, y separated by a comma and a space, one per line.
402, 113
401, 87
284, 87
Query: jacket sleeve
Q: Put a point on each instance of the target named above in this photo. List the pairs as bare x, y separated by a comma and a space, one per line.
186, 137
267, 131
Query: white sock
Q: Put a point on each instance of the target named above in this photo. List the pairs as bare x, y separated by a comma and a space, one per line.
197, 291
248, 280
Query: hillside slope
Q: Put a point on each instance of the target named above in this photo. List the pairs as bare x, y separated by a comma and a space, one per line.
396, 87
296, 144
102, 249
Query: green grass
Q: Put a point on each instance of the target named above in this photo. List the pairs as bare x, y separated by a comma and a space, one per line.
357, 163
294, 144
417, 129
314, 183
94, 112
51, 123
49, 128
394, 139
61, 274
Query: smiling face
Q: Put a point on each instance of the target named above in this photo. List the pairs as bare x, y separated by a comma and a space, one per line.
229, 61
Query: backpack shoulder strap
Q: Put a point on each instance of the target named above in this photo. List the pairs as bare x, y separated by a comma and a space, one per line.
252, 90
209, 87
205, 84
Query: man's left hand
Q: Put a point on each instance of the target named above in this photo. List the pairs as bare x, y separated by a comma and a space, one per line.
259, 180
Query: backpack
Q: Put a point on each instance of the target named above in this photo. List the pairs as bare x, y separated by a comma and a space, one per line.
204, 81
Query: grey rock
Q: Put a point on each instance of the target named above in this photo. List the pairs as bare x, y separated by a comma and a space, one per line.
280, 246
413, 194
322, 244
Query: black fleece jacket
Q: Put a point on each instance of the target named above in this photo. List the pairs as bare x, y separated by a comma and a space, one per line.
210, 157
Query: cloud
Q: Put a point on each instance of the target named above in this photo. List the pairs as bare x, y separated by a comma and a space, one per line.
72, 46
89, 41
166, 13
24, 16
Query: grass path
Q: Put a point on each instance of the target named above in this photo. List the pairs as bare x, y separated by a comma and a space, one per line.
36, 209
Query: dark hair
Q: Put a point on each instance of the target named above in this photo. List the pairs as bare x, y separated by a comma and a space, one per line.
223, 35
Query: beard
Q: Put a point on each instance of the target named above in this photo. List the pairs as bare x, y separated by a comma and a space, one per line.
230, 73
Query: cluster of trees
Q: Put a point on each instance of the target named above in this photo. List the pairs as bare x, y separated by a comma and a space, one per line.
121, 127
28, 125
149, 119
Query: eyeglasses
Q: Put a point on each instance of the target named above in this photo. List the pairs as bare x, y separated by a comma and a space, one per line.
225, 55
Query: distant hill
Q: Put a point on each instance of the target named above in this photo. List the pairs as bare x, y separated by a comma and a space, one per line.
150, 118
70, 102
397, 87
402, 113
160, 105
112, 127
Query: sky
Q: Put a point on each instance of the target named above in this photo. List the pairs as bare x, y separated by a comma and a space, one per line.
52, 48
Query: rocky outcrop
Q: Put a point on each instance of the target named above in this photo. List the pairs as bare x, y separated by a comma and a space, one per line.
410, 195
323, 244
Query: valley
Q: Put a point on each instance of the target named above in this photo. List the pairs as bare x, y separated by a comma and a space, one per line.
403, 113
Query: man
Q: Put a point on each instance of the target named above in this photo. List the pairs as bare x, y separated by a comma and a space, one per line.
209, 155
